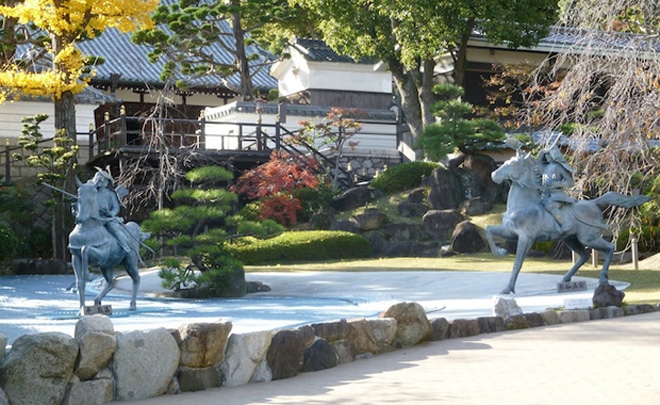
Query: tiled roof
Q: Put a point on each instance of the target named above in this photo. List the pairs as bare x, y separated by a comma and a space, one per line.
582, 41
315, 50
129, 61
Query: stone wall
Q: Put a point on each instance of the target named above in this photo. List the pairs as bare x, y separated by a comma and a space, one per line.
98, 365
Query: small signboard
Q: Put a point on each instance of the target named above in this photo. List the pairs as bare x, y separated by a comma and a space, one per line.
571, 286
97, 309
577, 303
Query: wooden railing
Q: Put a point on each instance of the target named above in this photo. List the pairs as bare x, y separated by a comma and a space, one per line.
126, 133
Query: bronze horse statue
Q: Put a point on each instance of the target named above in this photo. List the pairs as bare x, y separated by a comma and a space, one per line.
90, 243
526, 220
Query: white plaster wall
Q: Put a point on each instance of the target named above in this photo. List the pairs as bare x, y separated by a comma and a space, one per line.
297, 74
375, 139
11, 114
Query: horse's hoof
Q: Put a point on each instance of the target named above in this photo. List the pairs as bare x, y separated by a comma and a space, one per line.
506, 291
132, 307
500, 252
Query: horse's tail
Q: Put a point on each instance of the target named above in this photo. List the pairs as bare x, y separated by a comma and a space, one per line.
620, 200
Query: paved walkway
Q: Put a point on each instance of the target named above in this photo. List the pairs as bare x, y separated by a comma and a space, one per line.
614, 361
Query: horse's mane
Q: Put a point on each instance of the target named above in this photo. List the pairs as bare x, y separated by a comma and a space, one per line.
533, 165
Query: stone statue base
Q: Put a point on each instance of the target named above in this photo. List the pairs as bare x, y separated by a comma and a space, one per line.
570, 286
97, 309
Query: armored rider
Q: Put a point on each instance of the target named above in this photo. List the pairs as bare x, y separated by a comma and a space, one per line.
109, 205
557, 176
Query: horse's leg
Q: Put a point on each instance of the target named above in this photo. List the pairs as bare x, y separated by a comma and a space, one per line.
522, 249
607, 248
109, 284
131, 266
500, 231
77, 262
583, 256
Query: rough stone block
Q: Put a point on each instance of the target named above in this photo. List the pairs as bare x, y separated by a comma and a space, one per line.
515, 322
440, 329
94, 392
286, 351
534, 320
319, 356
344, 350
197, 379
460, 328
413, 326
491, 324
331, 331
550, 317
244, 354
144, 363
605, 313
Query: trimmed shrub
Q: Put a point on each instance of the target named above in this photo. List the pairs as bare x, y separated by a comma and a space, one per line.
302, 246
403, 177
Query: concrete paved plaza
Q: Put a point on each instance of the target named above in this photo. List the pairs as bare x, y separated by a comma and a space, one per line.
30, 304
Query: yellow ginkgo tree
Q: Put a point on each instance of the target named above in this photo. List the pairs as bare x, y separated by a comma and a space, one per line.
53, 66
64, 23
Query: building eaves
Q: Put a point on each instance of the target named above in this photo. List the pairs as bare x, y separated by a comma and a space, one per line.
315, 50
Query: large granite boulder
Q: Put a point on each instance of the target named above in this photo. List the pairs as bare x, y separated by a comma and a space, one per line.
319, 356
92, 392
331, 331
198, 379
446, 190
244, 354
96, 337
370, 219
353, 198
144, 363
466, 238
480, 168
475, 206
371, 336
409, 209
286, 352
202, 344
38, 368
413, 326
441, 222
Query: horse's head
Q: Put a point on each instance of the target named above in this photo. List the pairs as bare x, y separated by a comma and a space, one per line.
521, 169
87, 206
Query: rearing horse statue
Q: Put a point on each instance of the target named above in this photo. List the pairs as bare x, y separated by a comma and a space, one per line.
90, 243
526, 220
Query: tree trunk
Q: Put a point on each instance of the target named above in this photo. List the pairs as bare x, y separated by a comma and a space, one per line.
410, 104
426, 96
241, 57
65, 120
460, 62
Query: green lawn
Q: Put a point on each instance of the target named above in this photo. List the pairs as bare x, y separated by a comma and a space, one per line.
644, 283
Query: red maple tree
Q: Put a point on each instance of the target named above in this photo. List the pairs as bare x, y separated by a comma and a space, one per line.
274, 183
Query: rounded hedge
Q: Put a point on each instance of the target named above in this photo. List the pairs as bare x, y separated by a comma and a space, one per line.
302, 246
403, 177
